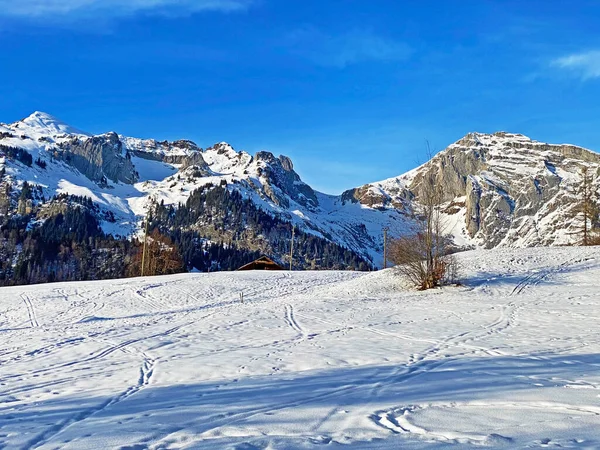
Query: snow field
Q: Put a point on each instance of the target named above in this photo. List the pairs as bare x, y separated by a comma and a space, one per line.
510, 359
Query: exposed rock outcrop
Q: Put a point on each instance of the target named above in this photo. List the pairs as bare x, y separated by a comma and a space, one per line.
183, 153
452, 167
516, 191
376, 197
184, 161
281, 180
100, 158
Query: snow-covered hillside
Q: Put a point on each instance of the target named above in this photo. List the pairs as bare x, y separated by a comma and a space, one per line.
352, 360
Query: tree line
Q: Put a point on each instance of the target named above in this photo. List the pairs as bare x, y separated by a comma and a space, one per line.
17, 153
242, 232
215, 230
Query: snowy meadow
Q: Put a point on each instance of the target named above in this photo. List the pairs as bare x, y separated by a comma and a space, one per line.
510, 359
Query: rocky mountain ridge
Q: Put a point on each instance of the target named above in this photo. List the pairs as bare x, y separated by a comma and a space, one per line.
500, 189
507, 189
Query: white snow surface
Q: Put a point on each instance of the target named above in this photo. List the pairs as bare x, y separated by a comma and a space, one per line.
510, 359
44, 121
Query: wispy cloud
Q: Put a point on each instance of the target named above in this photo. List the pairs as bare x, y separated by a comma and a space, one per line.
346, 49
56, 9
584, 65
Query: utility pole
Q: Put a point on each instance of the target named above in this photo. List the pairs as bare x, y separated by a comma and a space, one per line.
385, 230
146, 236
144, 248
292, 248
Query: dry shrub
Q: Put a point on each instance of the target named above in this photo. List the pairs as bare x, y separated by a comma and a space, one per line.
424, 257
423, 268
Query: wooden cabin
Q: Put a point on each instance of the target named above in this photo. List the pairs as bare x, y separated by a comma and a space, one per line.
262, 263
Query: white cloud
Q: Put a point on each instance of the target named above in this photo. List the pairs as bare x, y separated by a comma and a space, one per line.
346, 49
55, 9
585, 65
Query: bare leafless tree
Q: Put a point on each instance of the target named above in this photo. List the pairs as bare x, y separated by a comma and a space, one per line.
162, 257
423, 256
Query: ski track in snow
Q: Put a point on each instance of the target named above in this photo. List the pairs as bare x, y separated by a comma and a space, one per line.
146, 371
30, 311
535, 278
291, 320
309, 359
396, 420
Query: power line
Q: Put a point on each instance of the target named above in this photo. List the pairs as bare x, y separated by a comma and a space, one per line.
144, 248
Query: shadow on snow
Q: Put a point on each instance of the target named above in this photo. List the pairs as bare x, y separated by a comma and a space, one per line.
275, 402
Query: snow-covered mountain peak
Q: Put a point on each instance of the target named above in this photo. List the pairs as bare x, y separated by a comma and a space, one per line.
498, 139
500, 189
502, 140
503, 149
41, 116
223, 147
223, 159
44, 123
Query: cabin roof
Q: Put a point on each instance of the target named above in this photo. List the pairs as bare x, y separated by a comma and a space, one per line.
263, 262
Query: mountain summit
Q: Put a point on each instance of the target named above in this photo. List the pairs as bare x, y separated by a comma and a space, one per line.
46, 123
501, 189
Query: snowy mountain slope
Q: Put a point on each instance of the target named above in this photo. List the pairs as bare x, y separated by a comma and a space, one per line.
42, 125
501, 189
342, 359
125, 175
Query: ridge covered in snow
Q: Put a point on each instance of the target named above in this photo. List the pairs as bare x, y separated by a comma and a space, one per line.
501, 189
40, 121
170, 171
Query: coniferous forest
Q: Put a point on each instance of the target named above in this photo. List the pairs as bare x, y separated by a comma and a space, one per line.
60, 239
236, 223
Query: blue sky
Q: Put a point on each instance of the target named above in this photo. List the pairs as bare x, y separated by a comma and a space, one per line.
349, 89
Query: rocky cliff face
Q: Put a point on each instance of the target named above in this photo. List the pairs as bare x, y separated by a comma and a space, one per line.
100, 158
281, 182
183, 153
515, 191
375, 196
